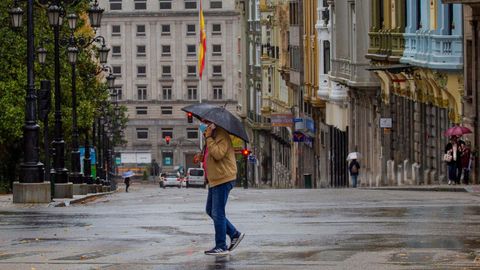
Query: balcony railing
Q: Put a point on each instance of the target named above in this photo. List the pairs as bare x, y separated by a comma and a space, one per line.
386, 44
426, 49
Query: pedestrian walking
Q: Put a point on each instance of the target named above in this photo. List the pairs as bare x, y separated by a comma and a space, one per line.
220, 168
127, 183
466, 161
451, 157
354, 169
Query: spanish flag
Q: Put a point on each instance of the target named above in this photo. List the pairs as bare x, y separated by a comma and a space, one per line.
203, 44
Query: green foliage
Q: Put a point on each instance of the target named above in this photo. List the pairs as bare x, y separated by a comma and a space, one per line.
145, 176
91, 93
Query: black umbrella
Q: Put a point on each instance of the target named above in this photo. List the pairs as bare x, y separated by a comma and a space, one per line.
198, 109
220, 117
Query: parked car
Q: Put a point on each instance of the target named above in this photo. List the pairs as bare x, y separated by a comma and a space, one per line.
196, 177
171, 180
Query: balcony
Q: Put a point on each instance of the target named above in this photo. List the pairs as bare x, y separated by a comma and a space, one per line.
258, 121
428, 50
324, 86
386, 45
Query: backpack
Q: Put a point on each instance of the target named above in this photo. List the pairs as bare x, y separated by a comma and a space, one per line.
354, 169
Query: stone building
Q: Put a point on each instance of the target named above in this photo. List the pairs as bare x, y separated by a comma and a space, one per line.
154, 56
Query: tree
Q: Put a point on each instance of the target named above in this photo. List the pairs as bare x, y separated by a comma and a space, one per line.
91, 90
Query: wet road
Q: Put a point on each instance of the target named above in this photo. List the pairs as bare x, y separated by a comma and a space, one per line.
152, 228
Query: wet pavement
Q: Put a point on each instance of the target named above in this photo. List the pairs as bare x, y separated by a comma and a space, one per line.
153, 228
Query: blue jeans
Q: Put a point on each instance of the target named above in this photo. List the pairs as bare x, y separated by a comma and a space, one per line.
216, 202
452, 172
354, 180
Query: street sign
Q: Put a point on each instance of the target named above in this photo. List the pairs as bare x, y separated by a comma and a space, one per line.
298, 136
281, 120
252, 159
386, 123
118, 161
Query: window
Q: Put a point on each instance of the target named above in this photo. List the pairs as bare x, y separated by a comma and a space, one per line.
141, 51
117, 71
167, 110
190, 4
165, 4
191, 71
216, 49
326, 56
116, 31
140, 4
165, 29
140, 30
141, 71
192, 133
167, 158
192, 93
293, 13
166, 71
191, 30
116, 51
217, 92
118, 91
141, 92
166, 50
141, 110
167, 93
142, 133
215, 4
115, 4
191, 50
216, 29
217, 70
167, 132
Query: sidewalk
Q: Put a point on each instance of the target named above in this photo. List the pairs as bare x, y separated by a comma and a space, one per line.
438, 188
6, 200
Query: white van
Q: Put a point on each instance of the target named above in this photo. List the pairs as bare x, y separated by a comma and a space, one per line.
196, 177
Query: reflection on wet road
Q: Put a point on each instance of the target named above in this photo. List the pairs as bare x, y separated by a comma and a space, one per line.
153, 228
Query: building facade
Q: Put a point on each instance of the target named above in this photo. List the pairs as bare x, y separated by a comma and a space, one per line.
154, 57
471, 99
349, 90
416, 50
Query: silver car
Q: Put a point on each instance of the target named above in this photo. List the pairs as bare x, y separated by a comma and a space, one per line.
170, 180
196, 177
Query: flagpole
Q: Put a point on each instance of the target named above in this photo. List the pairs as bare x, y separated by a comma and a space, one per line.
199, 68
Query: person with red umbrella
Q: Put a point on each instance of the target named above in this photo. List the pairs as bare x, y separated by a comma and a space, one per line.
452, 158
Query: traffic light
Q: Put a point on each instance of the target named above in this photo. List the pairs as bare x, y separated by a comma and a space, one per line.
190, 117
246, 152
167, 140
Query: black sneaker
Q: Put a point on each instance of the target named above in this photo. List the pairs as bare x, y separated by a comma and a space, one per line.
217, 252
235, 241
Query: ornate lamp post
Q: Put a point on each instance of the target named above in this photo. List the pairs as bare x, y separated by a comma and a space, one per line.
31, 188
63, 188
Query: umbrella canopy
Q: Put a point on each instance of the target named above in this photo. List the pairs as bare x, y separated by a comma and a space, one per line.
353, 155
198, 109
220, 117
457, 131
128, 174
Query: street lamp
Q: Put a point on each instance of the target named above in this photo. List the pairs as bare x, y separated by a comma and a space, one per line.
16, 16
42, 55
32, 178
95, 14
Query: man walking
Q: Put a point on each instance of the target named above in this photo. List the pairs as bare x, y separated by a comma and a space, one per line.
220, 172
354, 167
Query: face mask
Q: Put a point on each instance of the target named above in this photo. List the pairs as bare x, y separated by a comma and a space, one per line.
203, 127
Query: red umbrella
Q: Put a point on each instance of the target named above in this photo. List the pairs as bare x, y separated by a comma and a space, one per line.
457, 131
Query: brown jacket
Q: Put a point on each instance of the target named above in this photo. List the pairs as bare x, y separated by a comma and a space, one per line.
221, 162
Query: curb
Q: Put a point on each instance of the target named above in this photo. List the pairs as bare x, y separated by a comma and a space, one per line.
468, 189
80, 200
